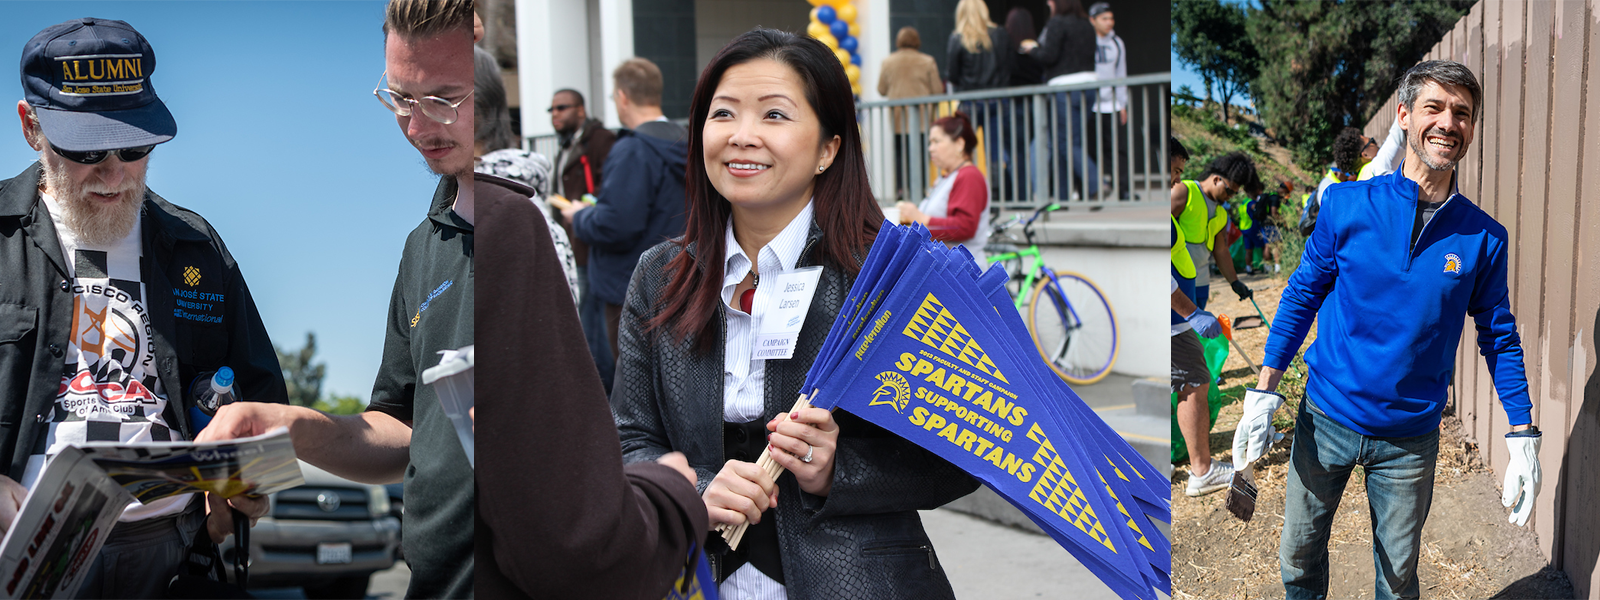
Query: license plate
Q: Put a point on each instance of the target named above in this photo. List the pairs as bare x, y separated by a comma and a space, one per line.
333, 554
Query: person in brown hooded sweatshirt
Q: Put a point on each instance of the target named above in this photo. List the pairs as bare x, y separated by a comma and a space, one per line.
558, 514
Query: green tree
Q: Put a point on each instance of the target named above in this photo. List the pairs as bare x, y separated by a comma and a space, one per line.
303, 377
340, 405
1328, 65
1211, 38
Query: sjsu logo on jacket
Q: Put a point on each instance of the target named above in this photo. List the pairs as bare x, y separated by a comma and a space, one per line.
1452, 263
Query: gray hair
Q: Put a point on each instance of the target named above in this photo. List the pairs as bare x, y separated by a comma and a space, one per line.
1442, 72
493, 119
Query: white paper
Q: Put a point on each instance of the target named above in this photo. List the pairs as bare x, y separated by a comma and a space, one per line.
787, 299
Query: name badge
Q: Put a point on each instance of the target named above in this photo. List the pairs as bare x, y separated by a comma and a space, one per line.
787, 299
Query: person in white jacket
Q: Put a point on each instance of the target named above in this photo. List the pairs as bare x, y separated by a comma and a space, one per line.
1110, 62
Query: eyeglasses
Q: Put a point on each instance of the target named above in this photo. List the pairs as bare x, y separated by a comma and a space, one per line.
438, 109
97, 156
1370, 143
560, 107
1230, 189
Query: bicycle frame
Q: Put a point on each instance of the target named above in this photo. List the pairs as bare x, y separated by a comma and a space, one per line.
1036, 265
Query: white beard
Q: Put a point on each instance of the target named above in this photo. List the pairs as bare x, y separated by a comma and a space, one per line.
95, 222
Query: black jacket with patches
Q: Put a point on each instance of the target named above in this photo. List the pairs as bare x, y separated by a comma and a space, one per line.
36, 309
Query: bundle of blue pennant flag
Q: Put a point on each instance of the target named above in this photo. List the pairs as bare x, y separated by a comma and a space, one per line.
931, 348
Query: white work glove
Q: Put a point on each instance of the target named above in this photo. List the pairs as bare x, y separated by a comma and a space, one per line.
1255, 434
1522, 475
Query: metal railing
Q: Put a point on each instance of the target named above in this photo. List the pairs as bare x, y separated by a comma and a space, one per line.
1037, 144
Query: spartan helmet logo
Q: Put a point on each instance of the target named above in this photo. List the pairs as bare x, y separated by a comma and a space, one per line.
894, 392
1452, 263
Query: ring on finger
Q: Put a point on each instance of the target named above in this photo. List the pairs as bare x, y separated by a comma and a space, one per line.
810, 450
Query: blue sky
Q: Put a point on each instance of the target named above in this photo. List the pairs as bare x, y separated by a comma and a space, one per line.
281, 146
1181, 75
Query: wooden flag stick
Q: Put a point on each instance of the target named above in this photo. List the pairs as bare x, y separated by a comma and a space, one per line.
734, 533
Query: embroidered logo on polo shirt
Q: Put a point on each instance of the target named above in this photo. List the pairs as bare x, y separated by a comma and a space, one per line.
191, 276
1452, 263
431, 295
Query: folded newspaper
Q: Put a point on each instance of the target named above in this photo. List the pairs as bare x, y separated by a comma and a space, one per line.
83, 490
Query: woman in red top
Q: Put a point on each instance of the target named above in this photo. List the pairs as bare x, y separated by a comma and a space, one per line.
956, 210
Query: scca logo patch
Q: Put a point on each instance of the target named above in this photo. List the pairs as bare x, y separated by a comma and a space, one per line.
1452, 263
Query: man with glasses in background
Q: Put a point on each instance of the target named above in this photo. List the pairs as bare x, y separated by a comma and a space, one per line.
580, 164
405, 434
1197, 206
101, 332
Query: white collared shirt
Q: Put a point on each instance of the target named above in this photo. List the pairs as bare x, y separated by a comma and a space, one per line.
743, 379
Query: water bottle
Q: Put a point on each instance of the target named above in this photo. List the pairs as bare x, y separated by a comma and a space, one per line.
210, 392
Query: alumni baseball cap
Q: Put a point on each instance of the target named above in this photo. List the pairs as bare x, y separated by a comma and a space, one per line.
89, 81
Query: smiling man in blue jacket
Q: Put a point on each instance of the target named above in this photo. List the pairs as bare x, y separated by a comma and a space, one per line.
1393, 266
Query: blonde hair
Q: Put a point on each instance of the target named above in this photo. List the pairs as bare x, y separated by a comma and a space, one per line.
418, 19
972, 24
640, 80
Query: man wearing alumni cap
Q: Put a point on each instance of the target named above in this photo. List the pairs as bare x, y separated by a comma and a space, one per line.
114, 300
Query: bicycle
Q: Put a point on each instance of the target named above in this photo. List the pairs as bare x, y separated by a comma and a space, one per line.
1076, 332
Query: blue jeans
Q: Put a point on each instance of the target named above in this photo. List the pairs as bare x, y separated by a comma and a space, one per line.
1399, 474
1070, 123
592, 316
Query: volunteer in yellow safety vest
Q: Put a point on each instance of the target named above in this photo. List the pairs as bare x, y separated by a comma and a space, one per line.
1190, 377
1197, 205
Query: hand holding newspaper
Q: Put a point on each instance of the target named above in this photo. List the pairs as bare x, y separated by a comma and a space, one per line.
82, 491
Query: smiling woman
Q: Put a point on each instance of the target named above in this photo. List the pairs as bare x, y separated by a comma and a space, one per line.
777, 198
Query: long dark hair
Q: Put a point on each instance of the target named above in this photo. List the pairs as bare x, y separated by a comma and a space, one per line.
1019, 26
1071, 7
843, 206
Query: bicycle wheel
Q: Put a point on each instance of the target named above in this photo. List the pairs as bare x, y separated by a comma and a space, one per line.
1073, 328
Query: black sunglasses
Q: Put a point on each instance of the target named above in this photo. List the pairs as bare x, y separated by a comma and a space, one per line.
560, 107
96, 156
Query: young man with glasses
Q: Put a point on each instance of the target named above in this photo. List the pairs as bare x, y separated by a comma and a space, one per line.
404, 434
1196, 203
102, 323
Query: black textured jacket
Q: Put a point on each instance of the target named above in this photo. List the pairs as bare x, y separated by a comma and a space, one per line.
984, 70
36, 310
1066, 46
864, 540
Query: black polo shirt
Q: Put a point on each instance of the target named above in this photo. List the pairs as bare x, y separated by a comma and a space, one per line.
431, 310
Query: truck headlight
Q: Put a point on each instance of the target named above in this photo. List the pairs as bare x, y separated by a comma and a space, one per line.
377, 500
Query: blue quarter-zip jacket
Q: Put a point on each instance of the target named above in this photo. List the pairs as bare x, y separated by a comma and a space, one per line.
1391, 313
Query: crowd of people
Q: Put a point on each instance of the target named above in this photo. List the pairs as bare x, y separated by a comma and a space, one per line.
1075, 46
